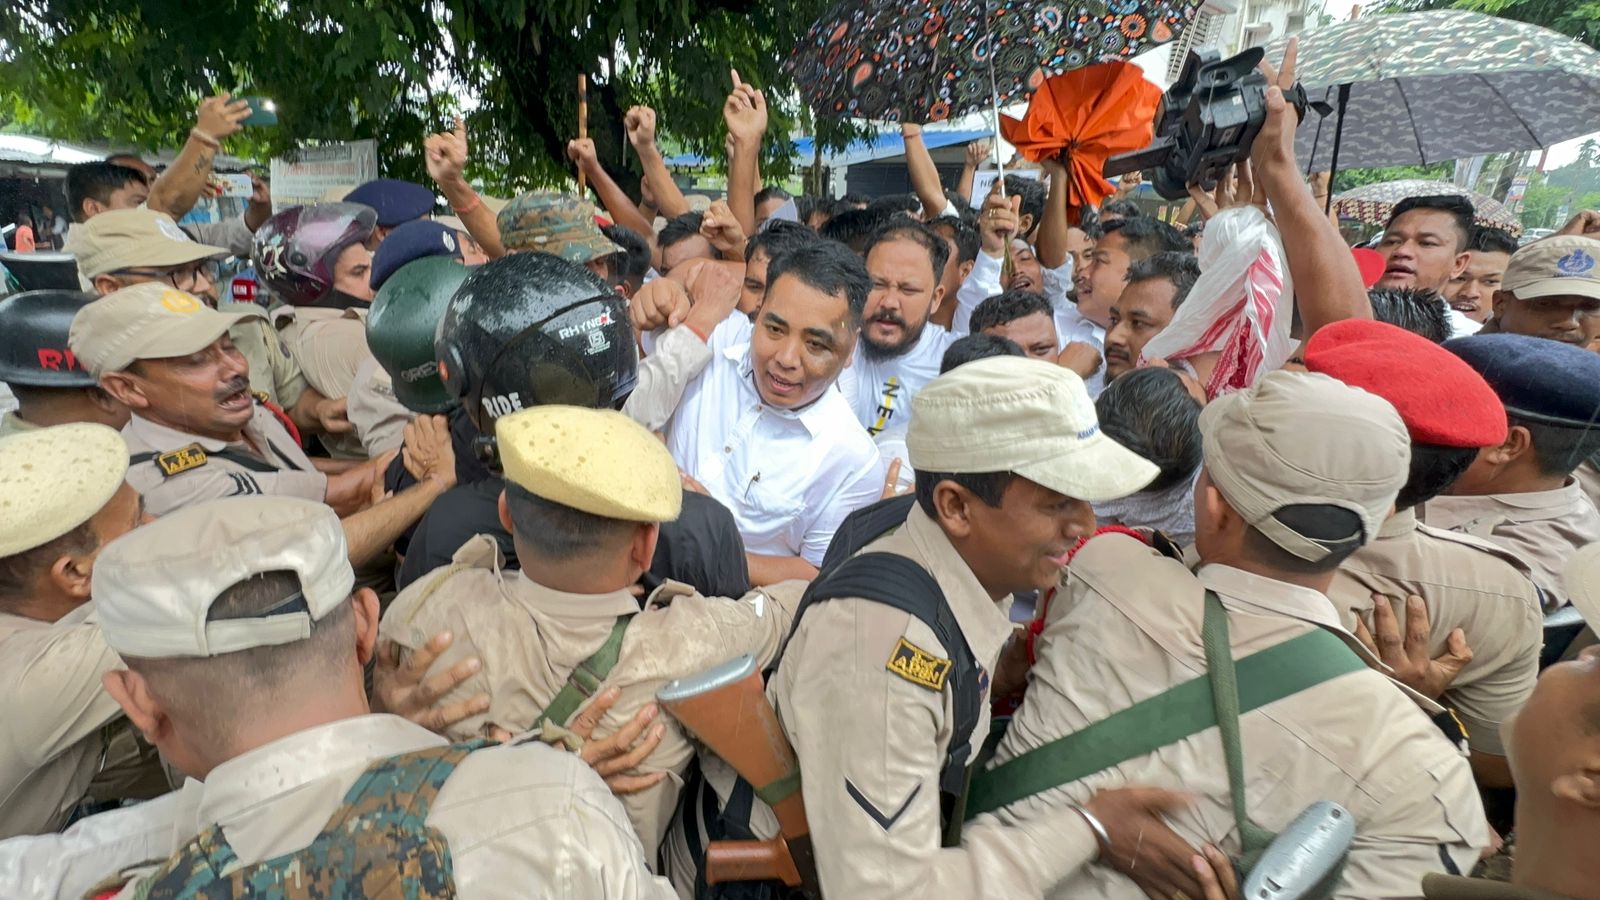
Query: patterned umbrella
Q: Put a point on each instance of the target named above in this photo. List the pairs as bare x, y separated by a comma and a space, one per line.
1416, 88
931, 60
1372, 203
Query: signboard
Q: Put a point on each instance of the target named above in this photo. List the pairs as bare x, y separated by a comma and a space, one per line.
1519, 187
318, 169
983, 183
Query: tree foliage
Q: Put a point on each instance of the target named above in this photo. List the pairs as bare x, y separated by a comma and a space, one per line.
395, 70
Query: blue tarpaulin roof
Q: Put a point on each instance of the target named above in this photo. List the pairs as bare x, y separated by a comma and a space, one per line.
887, 144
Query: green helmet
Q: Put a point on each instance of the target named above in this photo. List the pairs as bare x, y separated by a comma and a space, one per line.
401, 325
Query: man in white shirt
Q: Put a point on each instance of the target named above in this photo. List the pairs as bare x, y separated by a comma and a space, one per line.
763, 430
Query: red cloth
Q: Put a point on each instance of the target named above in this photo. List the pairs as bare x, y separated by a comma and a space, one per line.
1442, 400
1371, 264
1095, 112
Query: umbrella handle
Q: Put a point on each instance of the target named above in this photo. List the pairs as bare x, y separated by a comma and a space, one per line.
994, 109
1338, 135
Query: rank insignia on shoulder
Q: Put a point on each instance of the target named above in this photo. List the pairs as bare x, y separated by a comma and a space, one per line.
182, 459
918, 666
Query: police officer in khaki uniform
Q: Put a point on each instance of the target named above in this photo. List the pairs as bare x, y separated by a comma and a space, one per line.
66, 741
1008, 456
125, 247
50, 385
1521, 494
249, 679
1468, 586
197, 434
1299, 471
585, 491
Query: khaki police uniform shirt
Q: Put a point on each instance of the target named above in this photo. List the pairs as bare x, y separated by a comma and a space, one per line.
1125, 625
530, 638
64, 738
1455, 887
201, 476
379, 419
329, 345
520, 821
1543, 529
273, 371
11, 423
1466, 583
1588, 476
871, 742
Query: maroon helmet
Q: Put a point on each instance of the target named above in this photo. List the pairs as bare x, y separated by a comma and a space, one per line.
295, 250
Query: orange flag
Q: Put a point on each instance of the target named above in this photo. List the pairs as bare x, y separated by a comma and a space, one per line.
1092, 113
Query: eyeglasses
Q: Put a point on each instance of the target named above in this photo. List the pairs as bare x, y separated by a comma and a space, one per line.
184, 278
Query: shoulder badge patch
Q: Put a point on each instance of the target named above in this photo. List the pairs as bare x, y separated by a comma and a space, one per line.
182, 460
918, 666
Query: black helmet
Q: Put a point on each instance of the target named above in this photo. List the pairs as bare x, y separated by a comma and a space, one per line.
33, 339
530, 329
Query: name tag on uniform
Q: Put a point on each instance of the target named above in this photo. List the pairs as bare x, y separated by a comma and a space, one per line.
918, 666
182, 459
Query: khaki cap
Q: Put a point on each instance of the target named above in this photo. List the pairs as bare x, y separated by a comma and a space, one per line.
134, 239
153, 587
146, 321
54, 479
1582, 579
1553, 267
1301, 438
595, 460
1027, 416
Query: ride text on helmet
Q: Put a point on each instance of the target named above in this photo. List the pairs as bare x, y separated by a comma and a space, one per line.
502, 404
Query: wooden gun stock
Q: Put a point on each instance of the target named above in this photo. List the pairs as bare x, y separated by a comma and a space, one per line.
726, 708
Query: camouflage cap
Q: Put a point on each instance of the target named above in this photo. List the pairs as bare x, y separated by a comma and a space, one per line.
559, 224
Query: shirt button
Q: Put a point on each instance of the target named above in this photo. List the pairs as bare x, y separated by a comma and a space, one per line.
727, 449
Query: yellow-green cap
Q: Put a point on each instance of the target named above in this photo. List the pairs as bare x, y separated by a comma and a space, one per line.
54, 479
595, 460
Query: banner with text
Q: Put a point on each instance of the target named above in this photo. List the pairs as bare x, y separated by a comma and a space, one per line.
318, 172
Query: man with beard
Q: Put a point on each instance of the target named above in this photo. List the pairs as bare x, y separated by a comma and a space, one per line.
1100, 283
1549, 289
1155, 288
1425, 246
899, 349
761, 428
1488, 253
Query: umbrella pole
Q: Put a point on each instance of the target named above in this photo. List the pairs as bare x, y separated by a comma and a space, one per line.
994, 110
1338, 135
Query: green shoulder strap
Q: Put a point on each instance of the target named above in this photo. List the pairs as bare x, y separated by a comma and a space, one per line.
1253, 839
1263, 677
585, 679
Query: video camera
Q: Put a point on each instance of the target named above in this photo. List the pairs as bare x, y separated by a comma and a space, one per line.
1206, 122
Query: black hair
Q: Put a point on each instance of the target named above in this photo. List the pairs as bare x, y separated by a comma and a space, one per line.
1008, 307
1181, 270
772, 192
628, 265
1559, 449
854, 227
1146, 236
808, 206
680, 228
964, 210
779, 237
828, 267
557, 532
1334, 527
1460, 208
988, 487
1150, 412
1433, 469
853, 201
1487, 239
1417, 310
97, 181
974, 347
904, 229
964, 233
895, 203
1121, 209
20, 570
1032, 192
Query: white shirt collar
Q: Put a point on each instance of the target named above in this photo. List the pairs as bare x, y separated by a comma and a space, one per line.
814, 416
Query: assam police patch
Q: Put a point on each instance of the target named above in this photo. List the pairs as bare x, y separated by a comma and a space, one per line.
918, 666
181, 460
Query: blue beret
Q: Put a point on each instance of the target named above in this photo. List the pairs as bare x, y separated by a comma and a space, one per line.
412, 241
395, 201
1536, 378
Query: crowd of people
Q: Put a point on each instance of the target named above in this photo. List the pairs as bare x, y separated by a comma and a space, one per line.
1082, 554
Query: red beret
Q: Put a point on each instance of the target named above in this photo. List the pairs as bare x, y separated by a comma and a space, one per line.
1442, 400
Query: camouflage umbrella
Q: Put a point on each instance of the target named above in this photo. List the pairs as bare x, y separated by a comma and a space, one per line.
1417, 88
1372, 203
